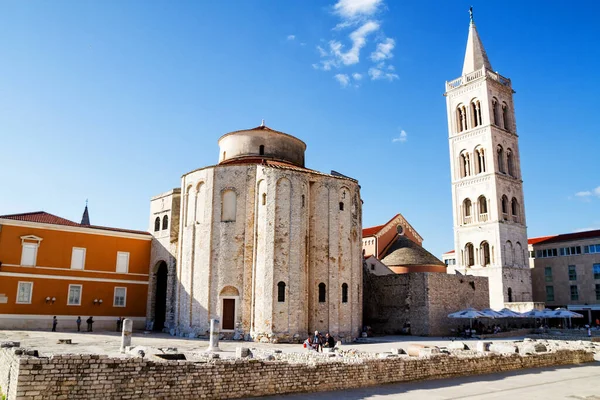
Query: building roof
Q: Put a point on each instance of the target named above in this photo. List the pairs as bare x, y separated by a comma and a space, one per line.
266, 129
42, 217
267, 162
475, 56
565, 237
375, 229
450, 252
405, 252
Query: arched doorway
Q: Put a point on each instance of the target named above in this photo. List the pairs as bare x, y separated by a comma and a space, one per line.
160, 297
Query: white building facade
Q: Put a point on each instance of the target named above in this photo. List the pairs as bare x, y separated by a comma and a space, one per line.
490, 233
270, 248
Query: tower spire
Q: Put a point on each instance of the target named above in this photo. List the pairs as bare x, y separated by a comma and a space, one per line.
85, 219
475, 56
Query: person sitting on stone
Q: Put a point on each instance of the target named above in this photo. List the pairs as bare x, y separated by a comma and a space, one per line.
308, 345
318, 341
329, 341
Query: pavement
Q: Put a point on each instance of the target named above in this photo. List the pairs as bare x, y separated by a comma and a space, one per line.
109, 343
572, 382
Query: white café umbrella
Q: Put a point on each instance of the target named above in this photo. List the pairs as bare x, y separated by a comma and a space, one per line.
564, 313
534, 314
489, 313
469, 313
508, 313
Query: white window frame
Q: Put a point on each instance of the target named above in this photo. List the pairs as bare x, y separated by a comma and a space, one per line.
73, 258
121, 253
35, 251
69, 295
115, 297
30, 292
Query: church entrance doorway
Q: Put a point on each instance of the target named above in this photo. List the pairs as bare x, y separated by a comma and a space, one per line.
228, 314
160, 297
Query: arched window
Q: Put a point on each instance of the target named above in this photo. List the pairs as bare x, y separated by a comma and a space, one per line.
465, 164
165, 222
484, 250
505, 207
475, 112
224, 154
261, 150
508, 253
510, 295
281, 292
467, 211
228, 206
461, 118
480, 160
264, 199
500, 152
157, 224
514, 208
344, 292
495, 110
322, 292
189, 206
510, 162
505, 116
470, 255
302, 200
482, 203
341, 206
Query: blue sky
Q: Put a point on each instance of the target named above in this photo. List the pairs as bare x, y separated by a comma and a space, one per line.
113, 101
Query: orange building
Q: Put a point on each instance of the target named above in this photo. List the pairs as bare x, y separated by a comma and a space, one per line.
398, 246
50, 266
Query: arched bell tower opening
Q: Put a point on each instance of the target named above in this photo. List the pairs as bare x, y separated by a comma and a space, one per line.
160, 297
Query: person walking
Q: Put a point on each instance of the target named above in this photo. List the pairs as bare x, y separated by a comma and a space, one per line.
54, 323
89, 321
78, 324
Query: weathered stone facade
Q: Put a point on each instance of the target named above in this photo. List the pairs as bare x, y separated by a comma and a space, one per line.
421, 300
101, 377
268, 247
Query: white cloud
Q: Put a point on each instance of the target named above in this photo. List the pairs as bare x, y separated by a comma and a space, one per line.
350, 9
359, 39
357, 76
402, 137
589, 193
291, 37
384, 50
378, 73
343, 79
322, 52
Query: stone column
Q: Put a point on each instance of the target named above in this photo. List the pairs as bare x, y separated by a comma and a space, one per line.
214, 336
126, 334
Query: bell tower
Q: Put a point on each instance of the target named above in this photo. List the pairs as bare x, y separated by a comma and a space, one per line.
490, 235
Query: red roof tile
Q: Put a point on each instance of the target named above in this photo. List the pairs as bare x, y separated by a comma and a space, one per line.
42, 217
375, 229
538, 239
450, 252
566, 237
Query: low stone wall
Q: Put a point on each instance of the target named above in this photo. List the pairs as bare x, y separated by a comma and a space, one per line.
507, 334
9, 371
101, 377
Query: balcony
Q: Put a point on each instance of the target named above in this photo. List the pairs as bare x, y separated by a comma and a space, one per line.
467, 220
483, 217
463, 80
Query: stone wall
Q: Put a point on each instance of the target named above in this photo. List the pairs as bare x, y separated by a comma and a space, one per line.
9, 370
421, 300
101, 377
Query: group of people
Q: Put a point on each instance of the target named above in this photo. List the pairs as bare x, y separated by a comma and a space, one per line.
317, 342
90, 322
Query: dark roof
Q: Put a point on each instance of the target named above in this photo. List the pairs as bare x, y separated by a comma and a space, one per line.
406, 252
567, 237
85, 219
42, 217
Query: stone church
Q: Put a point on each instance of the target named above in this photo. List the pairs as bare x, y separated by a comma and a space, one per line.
490, 232
267, 246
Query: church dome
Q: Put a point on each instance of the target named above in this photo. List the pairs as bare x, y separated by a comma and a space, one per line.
404, 252
259, 143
